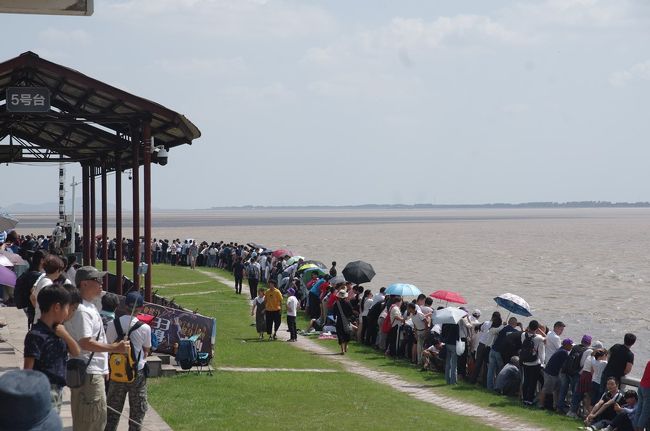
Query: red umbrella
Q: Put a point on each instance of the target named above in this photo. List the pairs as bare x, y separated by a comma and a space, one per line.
281, 252
445, 295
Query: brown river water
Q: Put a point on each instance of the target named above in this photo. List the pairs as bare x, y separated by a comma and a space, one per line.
587, 267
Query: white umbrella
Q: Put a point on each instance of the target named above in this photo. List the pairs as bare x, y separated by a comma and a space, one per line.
448, 315
4, 261
7, 222
514, 304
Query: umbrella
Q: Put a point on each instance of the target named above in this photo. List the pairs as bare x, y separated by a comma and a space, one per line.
358, 272
402, 289
306, 275
294, 259
4, 261
448, 315
318, 263
336, 280
306, 266
446, 295
14, 258
7, 277
514, 304
281, 252
7, 222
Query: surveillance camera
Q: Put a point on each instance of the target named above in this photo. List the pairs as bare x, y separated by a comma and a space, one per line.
161, 155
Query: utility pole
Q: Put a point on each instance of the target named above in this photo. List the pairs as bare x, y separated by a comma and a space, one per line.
73, 228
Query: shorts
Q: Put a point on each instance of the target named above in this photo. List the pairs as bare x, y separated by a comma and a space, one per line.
551, 383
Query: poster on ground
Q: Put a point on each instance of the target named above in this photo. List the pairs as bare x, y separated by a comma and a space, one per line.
171, 325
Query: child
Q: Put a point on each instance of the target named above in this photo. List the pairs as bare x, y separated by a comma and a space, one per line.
47, 344
292, 311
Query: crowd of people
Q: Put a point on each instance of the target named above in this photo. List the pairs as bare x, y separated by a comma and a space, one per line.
535, 362
71, 343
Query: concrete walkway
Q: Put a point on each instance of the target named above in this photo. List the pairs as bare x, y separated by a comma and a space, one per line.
11, 358
421, 392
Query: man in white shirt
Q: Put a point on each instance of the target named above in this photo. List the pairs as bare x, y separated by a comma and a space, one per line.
140, 339
88, 402
292, 312
420, 326
553, 340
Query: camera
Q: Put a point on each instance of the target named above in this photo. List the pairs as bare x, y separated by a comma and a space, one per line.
161, 155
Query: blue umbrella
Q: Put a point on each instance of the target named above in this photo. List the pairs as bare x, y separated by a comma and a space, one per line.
514, 304
402, 289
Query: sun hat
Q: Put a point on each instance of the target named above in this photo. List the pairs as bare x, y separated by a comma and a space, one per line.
597, 345
586, 339
291, 291
476, 312
567, 342
25, 402
342, 294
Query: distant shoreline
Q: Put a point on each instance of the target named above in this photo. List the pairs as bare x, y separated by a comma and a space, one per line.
577, 204
53, 208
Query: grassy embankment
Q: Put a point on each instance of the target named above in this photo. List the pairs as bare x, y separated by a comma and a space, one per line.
273, 400
463, 391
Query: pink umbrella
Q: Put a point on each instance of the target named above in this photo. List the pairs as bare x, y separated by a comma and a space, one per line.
7, 277
14, 258
281, 252
446, 295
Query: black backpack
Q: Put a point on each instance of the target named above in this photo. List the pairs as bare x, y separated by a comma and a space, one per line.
572, 364
23, 289
528, 353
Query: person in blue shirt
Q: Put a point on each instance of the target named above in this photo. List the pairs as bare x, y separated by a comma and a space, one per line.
552, 373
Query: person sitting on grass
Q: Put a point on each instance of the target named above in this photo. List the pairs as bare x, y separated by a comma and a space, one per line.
47, 344
509, 378
603, 412
434, 357
625, 414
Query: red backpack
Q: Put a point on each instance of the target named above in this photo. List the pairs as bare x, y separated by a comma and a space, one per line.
387, 325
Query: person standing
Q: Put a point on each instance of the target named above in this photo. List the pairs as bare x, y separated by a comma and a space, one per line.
258, 310
139, 335
88, 402
253, 274
621, 360
292, 312
642, 419
531, 356
273, 309
333, 271
238, 273
450, 335
343, 312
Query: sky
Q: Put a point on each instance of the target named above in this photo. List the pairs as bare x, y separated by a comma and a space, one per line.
354, 102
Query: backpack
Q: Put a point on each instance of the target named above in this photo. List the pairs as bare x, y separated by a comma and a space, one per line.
186, 354
124, 366
572, 364
528, 353
387, 325
23, 288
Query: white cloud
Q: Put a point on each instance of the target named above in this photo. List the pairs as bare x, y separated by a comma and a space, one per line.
515, 108
273, 93
640, 71
464, 30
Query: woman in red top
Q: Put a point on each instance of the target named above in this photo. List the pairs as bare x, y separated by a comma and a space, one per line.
643, 405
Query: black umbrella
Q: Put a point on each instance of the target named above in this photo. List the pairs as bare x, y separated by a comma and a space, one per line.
358, 272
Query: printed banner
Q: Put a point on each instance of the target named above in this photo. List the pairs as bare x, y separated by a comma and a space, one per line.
171, 325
